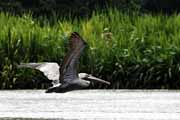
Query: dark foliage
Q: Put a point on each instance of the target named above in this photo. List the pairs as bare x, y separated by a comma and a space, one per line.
49, 7
164, 6
65, 7
84, 8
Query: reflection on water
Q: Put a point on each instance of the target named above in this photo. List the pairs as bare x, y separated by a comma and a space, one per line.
90, 104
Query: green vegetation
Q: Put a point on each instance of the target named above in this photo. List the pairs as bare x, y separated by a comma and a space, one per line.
131, 51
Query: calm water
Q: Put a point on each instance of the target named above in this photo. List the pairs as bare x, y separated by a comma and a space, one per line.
90, 104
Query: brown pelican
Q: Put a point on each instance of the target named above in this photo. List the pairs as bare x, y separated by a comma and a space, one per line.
66, 77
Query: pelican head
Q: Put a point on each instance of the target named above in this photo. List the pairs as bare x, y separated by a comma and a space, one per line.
90, 78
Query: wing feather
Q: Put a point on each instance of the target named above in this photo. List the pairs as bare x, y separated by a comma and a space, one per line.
50, 70
68, 70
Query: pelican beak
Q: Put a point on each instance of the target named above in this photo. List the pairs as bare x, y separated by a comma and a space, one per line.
95, 79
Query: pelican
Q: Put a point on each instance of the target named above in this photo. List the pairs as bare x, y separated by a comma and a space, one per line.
66, 77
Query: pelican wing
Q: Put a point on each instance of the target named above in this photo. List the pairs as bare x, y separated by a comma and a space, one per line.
50, 70
68, 70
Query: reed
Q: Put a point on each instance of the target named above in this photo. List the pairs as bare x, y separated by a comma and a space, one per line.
131, 51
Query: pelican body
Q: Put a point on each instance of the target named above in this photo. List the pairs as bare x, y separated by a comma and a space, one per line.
75, 84
66, 77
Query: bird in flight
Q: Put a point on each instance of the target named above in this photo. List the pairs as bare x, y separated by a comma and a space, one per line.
66, 78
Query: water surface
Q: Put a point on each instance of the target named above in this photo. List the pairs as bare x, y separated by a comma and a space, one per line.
90, 104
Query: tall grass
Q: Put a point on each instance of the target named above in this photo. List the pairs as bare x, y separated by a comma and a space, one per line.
131, 51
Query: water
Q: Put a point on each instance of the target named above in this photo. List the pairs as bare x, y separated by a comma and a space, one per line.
90, 104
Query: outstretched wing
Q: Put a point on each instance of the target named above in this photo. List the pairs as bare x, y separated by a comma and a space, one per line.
50, 70
68, 70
